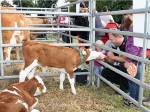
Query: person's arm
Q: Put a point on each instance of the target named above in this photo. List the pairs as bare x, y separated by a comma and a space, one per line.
111, 57
120, 58
131, 49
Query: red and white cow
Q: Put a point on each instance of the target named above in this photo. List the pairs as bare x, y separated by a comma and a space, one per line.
69, 59
19, 97
13, 37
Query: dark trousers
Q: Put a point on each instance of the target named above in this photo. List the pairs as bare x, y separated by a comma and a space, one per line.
66, 39
116, 78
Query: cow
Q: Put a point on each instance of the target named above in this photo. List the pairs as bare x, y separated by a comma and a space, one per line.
35, 21
19, 97
13, 37
68, 59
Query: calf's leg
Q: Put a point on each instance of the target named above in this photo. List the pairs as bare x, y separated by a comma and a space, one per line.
72, 84
62, 78
23, 74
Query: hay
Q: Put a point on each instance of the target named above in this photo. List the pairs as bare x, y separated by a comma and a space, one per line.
86, 100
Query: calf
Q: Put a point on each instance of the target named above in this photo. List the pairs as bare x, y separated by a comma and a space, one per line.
68, 59
13, 37
19, 97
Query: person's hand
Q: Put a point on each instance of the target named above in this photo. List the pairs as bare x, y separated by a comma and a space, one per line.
131, 69
110, 57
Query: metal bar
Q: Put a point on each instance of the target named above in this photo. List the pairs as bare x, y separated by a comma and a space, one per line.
123, 94
140, 35
1, 49
134, 34
57, 24
142, 77
144, 85
76, 38
46, 29
55, 44
137, 58
121, 12
11, 45
42, 75
43, 12
28, 8
70, 4
38, 16
43, 32
92, 6
12, 61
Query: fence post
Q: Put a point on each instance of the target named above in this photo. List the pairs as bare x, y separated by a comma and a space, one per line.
142, 78
92, 6
1, 48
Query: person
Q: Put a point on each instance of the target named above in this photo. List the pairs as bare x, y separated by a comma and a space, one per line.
101, 22
127, 23
62, 21
125, 45
105, 19
82, 21
97, 66
105, 38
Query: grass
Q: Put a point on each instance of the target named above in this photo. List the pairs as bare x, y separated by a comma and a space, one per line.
88, 99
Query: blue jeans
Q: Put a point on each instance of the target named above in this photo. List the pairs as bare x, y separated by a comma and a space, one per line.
97, 70
133, 87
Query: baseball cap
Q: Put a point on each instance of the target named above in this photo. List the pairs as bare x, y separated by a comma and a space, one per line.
112, 25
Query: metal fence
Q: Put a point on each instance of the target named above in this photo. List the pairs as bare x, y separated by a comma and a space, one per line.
92, 29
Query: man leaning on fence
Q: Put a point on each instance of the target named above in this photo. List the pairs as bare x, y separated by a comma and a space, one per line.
125, 64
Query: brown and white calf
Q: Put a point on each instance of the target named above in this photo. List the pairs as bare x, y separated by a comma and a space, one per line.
69, 59
19, 97
13, 37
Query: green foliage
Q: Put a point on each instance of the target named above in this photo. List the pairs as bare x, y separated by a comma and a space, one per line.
114, 5
31, 3
45, 3
23, 3
4, 3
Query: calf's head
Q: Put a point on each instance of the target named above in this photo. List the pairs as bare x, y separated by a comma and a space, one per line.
41, 88
92, 55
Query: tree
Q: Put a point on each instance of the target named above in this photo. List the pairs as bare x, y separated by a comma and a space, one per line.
45, 3
23, 3
4, 3
34, 3
112, 5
